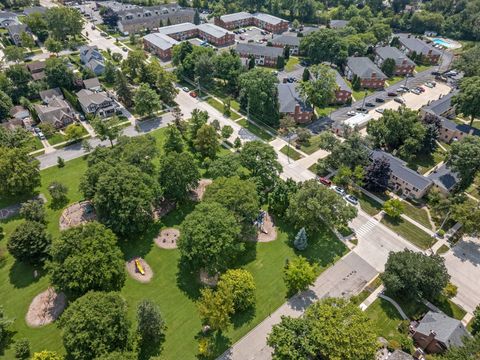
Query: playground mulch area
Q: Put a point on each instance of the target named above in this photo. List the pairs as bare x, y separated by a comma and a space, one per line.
134, 272
199, 191
268, 231
167, 239
77, 214
45, 308
207, 279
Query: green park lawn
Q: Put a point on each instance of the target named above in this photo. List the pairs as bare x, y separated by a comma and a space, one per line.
409, 231
385, 318
291, 152
172, 288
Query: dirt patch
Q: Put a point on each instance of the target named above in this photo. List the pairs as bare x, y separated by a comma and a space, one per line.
77, 214
207, 279
199, 191
163, 208
134, 271
45, 308
167, 239
267, 231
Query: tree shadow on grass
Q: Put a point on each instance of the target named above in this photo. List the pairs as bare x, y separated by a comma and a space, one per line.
219, 343
244, 317
7, 340
188, 280
248, 255
140, 244
149, 349
22, 275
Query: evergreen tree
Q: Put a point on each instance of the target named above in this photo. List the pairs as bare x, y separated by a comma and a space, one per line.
306, 75
196, 18
301, 241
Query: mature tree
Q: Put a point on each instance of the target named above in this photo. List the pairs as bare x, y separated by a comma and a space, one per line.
4, 327
165, 85
346, 177
189, 68
46, 355
209, 238
215, 309
95, 324
106, 129
322, 331
324, 45
19, 172
388, 67
58, 192
258, 95
19, 78
14, 53
5, 105
468, 214
58, 74
37, 23
464, 158
138, 151
123, 199
299, 274
228, 67
238, 196
180, 52
29, 243
119, 355
415, 275
15, 138
351, 152
178, 174
377, 174
467, 101
173, 140
469, 61
393, 207
33, 210
240, 286
53, 45
279, 196
74, 132
134, 64
146, 100
400, 130
64, 21
261, 160
86, 258
314, 205
476, 321
225, 166
381, 31
204, 69
320, 88
327, 141
109, 72
226, 131
150, 324
199, 118
469, 350
123, 89
206, 141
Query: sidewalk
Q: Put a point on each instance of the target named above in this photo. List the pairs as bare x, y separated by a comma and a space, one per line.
371, 298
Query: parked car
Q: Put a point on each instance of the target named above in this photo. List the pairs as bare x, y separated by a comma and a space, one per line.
419, 88
392, 93
193, 94
338, 190
351, 199
41, 135
430, 84
124, 49
351, 113
304, 63
362, 110
186, 89
380, 111
416, 91
379, 100
399, 100
324, 181
369, 104
36, 129
242, 37
435, 73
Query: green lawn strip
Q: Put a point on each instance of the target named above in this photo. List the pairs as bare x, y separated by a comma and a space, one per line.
420, 68
291, 63
325, 111
255, 129
56, 138
409, 231
385, 318
369, 205
474, 188
312, 145
449, 307
219, 106
412, 308
290, 152
417, 214
36, 143
395, 79
359, 94
370, 288
442, 249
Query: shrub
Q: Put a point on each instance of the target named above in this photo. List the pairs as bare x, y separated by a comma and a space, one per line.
393, 345
450, 290
22, 349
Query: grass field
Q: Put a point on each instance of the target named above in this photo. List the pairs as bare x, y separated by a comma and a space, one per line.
219, 106
417, 214
312, 146
385, 319
291, 152
56, 139
369, 205
291, 63
409, 231
255, 129
173, 289
424, 162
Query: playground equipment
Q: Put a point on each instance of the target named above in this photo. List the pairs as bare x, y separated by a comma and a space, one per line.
259, 221
139, 267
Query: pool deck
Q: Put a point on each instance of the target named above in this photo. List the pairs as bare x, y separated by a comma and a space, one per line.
448, 43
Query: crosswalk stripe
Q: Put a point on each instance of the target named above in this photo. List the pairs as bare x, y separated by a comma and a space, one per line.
366, 228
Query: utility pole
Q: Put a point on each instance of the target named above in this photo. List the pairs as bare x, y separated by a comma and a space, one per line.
364, 99
197, 80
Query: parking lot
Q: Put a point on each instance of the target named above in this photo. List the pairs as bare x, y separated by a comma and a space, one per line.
253, 34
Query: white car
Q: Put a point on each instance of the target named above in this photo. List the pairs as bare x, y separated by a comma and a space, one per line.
380, 111
351, 113
351, 199
185, 89
338, 190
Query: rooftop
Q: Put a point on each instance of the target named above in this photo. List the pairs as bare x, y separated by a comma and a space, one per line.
341, 83
363, 67
443, 177
290, 40
442, 105
390, 52
213, 30
87, 97
270, 19
236, 16
417, 45
447, 330
260, 50
288, 98
161, 41
91, 83
173, 29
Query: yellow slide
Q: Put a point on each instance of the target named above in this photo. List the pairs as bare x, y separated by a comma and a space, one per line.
139, 267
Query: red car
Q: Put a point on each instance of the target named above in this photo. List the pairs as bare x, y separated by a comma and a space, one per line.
325, 181
193, 94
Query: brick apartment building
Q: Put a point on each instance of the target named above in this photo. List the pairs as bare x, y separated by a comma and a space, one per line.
180, 32
293, 42
242, 19
403, 64
264, 55
160, 45
370, 75
343, 93
291, 103
215, 35
412, 45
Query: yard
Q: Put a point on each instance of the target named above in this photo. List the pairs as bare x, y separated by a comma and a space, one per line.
255, 129
424, 162
326, 111
409, 231
173, 289
291, 153
369, 205
385, 318
418, 214
219, 106
292, 62
420, 68
56, 138
395, 79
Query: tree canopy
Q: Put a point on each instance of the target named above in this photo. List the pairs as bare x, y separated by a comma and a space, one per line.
30, 243
19, 173
467, 101
324, 45
464, 158
320, 89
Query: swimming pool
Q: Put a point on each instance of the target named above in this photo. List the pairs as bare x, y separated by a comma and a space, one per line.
442, 42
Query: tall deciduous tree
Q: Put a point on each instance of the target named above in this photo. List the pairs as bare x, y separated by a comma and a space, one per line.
377, 174
5, 105
464, 158
146, 100
240, 286
279, 197
324, 45
19, 172
58, 74
215, 309
106, 129
123, 89
320, 88
86, 258
206, 141
299, 274
64, 21
225, 166
393, 207
150, 324
469, 61
29, 243
468, 214
173, 140
467, 100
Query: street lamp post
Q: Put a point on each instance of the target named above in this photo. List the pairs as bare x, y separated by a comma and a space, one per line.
364, 99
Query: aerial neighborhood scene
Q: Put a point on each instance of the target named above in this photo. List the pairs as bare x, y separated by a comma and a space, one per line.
239, 180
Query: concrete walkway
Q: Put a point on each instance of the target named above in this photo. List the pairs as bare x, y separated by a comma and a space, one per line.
371, 298
394, 303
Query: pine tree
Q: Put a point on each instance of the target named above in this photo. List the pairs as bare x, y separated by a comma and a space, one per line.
306, 75
301, 241
196, 18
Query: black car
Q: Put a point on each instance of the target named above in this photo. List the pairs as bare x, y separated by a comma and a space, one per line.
304, 63
369, 104
362, 109
379, 100
435, 73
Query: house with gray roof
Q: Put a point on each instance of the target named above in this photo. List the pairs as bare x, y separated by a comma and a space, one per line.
56, 112
50, 94
363, 68
96, 103
91, 57
264, 21
15, 32
263, 55
92, 84
403, 64
444, 179
215, 35
437, 332
413, 47
293, 42
403, 179
8, 18
343, 93
291, 103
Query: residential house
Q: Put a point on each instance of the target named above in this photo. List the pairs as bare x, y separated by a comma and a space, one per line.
263, 55
8, 18
403, 179
437, 332
400, 355
369, 73
36, 69
160, 45
96, 103
34, 10
282, 41
19, 112
403, 64
56, 112
92, 84
338, 24
412, 46
15, 32
50, 94
291, 103
12, 124
264, 21
215, 35
91, 57
180, 32
443, 110
343, 93
444, 179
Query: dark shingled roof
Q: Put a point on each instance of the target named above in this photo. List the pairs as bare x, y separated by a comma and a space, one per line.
363, 67
288, 98
337, 24
442, 105
390, 52
342, 84
417, 45
286, 40
400, 355
448, 330
443, 177
260, 50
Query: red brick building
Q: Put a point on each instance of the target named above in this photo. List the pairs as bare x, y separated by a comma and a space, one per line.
242, 19
370, 75
412, 45
160, 45
290, 103
403, 65
215, 35
343, 94
264, 55
180, 32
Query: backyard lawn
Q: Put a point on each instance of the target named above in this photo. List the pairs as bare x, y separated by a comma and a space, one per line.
424, 162
172, 288
313, 145
385, 318
56, 138
290, 152
409, 231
